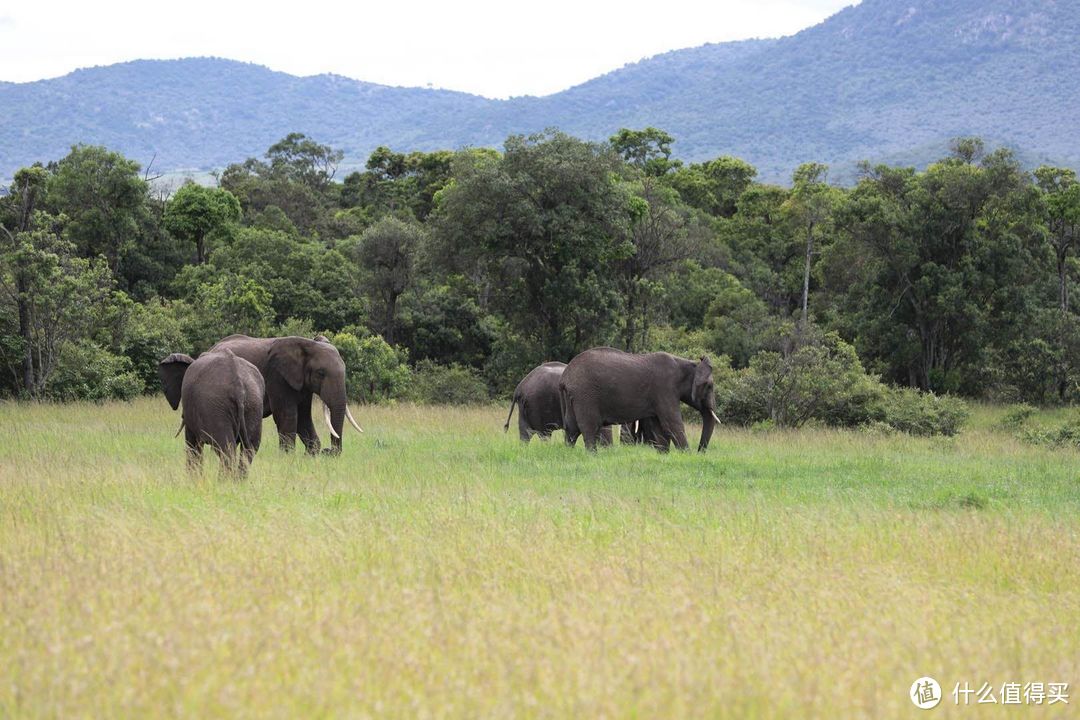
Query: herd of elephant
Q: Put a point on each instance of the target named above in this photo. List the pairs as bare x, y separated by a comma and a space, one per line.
231, 387
603, 386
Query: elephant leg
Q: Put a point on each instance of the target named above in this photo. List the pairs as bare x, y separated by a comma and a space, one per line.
285, 419
571, 431
193, 451
305, 426
605, 436
590, 425
224, 444
524, 431
671, 427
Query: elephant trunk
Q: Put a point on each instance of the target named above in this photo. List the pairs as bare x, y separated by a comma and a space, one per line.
333, 395
708, 423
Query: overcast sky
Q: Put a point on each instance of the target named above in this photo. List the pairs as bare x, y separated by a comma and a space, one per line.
496, 48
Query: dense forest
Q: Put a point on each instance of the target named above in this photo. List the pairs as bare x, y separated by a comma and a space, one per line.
445, 276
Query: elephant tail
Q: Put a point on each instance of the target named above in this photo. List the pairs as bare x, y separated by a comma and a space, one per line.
513, 402
240, 412
566, 405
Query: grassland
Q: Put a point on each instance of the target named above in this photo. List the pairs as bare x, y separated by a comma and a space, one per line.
439, 568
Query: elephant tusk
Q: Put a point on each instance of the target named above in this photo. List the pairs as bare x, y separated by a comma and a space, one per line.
179, 429
635, 427
348, 414
326, 416
718, 421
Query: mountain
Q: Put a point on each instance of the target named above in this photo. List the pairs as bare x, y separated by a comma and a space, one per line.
885, 80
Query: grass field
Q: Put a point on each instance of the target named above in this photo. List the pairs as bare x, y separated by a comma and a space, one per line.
440, 568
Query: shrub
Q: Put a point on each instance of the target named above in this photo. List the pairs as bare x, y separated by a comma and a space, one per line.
1017, 416
85, 371
918, 413
375, 370
1067, 435
448, 385
821, 380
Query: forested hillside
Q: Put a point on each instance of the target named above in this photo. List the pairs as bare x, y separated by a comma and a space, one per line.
446, 276
881, 81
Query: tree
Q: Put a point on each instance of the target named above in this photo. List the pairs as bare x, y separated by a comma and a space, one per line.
303, 160
659, 237
61, 295
546, 220
810, 207
295, 178
649, 150
395, 183
18, 212
1059, 193
715, 186
195, 213
387, 252
103, 197
943, 266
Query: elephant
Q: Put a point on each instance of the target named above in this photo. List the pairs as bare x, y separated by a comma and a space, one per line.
605, 386
537, 398
645, 431
295, 369
222, 396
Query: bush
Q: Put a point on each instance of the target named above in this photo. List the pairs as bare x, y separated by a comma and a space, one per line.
821, 380
447, 385
1017, 416
918, 413
1067, 435
85, 371
375, 371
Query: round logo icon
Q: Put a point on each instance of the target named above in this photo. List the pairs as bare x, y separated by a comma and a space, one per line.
925, 693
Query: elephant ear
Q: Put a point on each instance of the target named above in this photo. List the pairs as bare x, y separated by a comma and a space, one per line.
702, 375
287, 360
171, 371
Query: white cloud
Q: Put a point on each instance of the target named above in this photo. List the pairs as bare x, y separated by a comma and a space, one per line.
490, 47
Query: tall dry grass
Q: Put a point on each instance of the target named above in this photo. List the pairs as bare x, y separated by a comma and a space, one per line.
439, 568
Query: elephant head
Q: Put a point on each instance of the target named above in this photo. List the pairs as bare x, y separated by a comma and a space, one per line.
703, 399
171, 371
314, 366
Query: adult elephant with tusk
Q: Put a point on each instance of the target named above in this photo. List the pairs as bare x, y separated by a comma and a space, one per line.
605, 386
295, 369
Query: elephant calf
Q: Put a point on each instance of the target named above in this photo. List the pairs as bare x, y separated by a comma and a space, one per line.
222, 396
644, 432
537, 398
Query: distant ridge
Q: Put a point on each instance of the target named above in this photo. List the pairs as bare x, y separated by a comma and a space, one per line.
883, 80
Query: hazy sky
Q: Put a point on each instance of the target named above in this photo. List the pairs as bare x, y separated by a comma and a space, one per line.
496, 48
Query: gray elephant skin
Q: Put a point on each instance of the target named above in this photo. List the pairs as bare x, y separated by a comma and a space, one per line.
294, 370
222, 398
605, 386
539, 409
